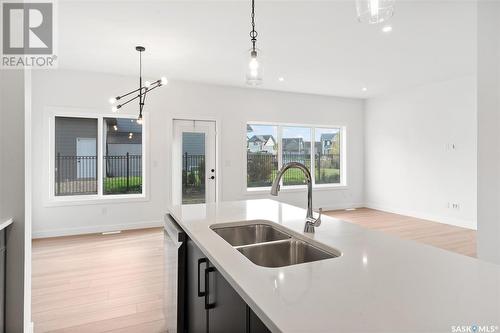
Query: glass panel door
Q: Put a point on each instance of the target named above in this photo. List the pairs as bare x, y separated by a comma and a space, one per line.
194, 179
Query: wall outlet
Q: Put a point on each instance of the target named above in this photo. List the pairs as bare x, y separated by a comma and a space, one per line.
454, 205
451, 147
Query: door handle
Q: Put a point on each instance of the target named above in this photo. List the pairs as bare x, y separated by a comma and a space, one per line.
208, 305
200, 261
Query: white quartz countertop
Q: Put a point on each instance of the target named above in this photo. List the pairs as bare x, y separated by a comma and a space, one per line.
379, 284
4, 223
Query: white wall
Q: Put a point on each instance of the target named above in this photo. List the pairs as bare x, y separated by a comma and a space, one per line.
230, 107
411, 168
12, 197
488, 218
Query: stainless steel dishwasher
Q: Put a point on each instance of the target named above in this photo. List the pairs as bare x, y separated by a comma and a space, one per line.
174, 275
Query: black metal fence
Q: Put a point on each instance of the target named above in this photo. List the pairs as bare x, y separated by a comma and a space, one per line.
75, 175
193, 178
123, 174
262, 168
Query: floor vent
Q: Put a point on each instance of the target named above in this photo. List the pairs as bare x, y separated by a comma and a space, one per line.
111, 232
350, 209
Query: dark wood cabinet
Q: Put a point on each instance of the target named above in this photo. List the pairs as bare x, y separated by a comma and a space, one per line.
254, 324
196, 314
2, 281
212, 305
227, 313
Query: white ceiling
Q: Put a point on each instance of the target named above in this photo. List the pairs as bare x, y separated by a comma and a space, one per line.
317, 46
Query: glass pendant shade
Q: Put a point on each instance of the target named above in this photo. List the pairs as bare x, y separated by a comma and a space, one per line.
374, 11
254, 70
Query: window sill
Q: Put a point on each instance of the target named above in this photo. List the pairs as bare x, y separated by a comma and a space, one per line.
95, 200
296, 188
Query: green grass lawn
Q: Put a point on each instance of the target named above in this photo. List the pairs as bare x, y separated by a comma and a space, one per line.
119, 185
296, 177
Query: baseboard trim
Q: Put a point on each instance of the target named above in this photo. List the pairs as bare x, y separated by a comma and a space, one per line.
95, 229
434, 218
339, 206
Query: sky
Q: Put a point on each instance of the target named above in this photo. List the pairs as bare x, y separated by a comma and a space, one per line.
288, 132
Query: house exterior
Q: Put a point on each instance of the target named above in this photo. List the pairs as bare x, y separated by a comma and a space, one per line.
261, 143
76, 148
123, 136
327, 142
193, 150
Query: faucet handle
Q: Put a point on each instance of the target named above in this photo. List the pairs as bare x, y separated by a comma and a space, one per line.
318, 220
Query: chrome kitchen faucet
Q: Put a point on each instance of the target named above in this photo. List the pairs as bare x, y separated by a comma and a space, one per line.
311, 222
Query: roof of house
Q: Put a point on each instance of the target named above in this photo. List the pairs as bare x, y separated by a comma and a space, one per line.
261, 138
328, 136
293, 143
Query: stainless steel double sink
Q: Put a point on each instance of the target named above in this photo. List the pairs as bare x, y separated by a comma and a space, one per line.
265, 245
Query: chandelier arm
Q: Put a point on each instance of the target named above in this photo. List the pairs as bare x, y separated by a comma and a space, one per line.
130, 100
129, 93
151, 87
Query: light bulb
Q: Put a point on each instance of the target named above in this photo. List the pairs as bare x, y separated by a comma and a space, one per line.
253, 64
254, 71
114, 109
374, 11
112, 100
115, 128
163, 80
147, 84
139, 121
374, 8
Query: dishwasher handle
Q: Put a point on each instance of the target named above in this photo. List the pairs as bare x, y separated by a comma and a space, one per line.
174, 231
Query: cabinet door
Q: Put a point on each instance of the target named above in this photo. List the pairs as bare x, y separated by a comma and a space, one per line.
196, 314
227, 310
2, 281
255, 325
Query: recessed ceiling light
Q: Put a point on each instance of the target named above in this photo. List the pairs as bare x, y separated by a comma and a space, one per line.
364, 89
281, 79
387, 28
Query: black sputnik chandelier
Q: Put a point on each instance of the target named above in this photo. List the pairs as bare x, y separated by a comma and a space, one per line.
141, 92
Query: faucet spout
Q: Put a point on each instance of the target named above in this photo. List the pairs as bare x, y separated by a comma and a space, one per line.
311, 222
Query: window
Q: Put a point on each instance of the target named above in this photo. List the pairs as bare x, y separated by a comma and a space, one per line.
76, 156
122, 156
320, 145
296, 147
262, 155
327, 155
91, 159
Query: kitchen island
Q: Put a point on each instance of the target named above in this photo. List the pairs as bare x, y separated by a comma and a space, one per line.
379, 283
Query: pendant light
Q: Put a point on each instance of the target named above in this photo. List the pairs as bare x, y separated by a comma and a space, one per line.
142, 91
254, 71
374, 11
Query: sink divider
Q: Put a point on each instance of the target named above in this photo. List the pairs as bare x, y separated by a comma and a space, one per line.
266, 243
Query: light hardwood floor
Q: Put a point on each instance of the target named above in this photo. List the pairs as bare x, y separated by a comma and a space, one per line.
96, 283
440, 235
113, 283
